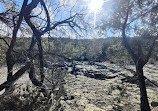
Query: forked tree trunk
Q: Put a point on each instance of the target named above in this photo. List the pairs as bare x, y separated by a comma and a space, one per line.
139, 61
143, 93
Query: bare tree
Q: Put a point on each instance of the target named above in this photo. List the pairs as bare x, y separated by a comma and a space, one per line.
26, 14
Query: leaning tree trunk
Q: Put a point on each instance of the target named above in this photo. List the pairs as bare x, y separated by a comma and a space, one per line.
9, 56
143, 93
140, 60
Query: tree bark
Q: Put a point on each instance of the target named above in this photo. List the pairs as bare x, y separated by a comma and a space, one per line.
9, 57
13, 78
41, 59
143, 93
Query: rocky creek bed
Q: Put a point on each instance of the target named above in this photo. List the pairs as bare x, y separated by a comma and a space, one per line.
101, 87
108, 87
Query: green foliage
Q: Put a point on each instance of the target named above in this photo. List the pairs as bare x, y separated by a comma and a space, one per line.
117, 53
93, 50
74, 50
21, 46
10, 4
46, 44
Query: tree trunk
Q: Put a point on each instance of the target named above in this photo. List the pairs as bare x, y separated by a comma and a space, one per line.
40, 49
143, 93
13, 78
10, 65
9, 57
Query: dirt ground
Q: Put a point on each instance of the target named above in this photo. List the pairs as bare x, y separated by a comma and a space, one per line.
101, 87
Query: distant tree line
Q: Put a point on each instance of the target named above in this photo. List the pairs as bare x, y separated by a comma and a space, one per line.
109, 49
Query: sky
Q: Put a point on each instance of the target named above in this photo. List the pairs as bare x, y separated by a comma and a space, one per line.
1, 7
94, 10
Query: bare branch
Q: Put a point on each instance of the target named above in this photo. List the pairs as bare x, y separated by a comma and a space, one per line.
68, 20
48, 17
141, 15
4, 41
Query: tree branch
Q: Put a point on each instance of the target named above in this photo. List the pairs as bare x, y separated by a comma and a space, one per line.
15, 76
48, 17
126, 44
4, 41
150, 50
